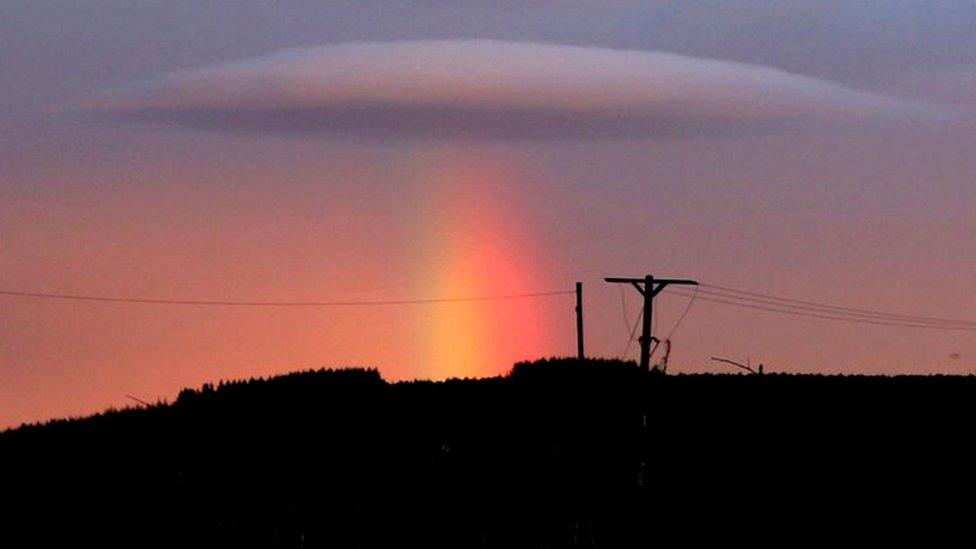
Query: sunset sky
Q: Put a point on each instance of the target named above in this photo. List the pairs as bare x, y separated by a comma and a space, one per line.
361, 151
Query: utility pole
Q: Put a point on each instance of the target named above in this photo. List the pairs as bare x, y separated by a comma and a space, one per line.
649, 287
579, 320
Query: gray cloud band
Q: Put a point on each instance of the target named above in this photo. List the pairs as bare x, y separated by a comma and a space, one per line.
489, 89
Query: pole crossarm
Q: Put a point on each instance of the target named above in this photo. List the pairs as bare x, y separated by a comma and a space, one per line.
685, 281
659, 283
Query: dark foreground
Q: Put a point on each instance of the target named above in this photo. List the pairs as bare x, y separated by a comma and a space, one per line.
558, 454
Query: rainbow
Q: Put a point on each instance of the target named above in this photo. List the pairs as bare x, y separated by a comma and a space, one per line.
477, 245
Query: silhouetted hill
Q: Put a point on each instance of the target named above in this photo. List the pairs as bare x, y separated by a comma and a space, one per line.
557, 454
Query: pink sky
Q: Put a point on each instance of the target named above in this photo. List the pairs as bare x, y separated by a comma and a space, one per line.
877, 216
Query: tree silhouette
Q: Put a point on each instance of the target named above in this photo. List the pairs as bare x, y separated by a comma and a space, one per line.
558, 453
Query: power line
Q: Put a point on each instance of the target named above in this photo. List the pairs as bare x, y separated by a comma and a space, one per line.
812, 305
153, 301
710, 293
841, 311
793, 312
623, 310
139, 400
630, 328
681, 318
653, 320
630, 338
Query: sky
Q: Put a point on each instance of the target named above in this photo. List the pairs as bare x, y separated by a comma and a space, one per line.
363, 151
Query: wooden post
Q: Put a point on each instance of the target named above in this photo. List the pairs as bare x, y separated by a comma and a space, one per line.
645, 338
648, 288
579, 321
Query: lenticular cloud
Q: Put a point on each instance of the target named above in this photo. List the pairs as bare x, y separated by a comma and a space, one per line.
490, 89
